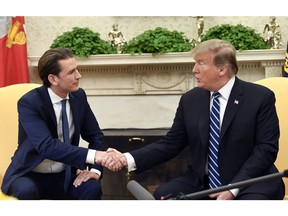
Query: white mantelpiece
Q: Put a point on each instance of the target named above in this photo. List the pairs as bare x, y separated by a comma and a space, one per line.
123, 74
142, 91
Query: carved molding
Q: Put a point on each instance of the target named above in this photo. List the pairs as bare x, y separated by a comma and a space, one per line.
249, 65
171, 73
272, 63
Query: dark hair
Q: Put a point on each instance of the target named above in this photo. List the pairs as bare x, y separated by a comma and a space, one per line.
49, 63
225, 53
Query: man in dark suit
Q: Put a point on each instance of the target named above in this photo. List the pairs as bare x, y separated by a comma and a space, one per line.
44, 161
248, 140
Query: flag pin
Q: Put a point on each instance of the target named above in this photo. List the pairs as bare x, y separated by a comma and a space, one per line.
236, 101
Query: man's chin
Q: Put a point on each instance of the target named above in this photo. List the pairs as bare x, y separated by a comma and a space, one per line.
76, 88
197, 84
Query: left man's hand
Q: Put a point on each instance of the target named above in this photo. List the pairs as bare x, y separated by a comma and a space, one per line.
83, 176
225, 195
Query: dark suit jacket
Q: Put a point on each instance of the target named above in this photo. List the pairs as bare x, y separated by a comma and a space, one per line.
38, 138
248, 140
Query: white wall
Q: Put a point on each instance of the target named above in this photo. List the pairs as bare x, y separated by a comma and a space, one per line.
42, 30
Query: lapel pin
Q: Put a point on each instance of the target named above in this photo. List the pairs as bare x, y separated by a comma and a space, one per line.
236, 101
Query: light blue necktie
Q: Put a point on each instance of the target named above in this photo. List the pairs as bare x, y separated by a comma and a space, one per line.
213, 171
65, 128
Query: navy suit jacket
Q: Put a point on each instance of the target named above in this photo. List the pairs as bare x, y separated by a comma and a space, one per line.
38, 137
248, 141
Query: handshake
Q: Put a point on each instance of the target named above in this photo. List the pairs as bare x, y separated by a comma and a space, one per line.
111, 159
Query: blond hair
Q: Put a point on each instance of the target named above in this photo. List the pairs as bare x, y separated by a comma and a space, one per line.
224, 53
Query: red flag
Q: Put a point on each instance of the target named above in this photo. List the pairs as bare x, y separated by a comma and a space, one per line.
13, 51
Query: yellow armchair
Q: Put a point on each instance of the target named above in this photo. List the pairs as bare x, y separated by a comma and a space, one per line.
279, 85
5, 197
9, 96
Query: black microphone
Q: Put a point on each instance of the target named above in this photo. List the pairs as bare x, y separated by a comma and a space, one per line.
139, 192
241, 184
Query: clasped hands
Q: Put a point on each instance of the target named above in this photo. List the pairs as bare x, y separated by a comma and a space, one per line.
111, 159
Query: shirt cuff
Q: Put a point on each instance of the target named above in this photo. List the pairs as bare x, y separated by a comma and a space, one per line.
130, 161
96, 171
91, 156
235, 191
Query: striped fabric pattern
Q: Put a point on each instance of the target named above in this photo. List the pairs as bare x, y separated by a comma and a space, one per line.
213, 171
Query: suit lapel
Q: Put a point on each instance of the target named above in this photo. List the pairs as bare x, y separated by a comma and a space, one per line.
74, 105
203, 112
48, 107
234, 103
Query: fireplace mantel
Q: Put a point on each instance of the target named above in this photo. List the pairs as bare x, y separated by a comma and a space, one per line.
143, 91
181, 57
171, 73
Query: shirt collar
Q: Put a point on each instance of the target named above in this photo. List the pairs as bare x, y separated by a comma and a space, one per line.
55, 98
226, 89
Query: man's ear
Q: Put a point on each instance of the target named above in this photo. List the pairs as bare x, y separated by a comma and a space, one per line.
53, 79
223, 70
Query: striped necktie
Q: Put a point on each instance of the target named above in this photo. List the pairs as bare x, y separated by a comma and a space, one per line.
65, 128
213, 171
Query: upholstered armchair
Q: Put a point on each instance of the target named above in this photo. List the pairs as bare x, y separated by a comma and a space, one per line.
279, 85
9, 96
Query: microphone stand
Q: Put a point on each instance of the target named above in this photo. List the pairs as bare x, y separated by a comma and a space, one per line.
241, 184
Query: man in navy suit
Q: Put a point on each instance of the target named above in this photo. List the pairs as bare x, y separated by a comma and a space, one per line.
37, 170
249, 132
